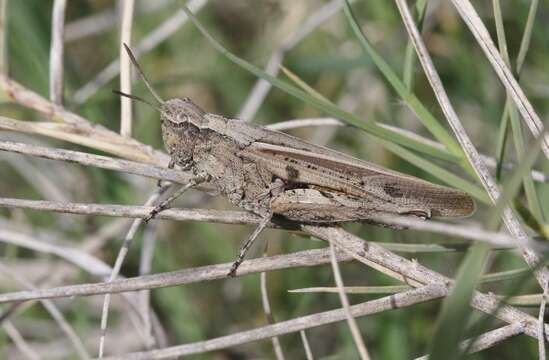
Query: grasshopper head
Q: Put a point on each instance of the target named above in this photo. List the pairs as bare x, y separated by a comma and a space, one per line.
177, 112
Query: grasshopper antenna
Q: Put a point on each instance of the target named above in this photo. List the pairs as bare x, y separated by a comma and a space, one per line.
134, 97
143, 77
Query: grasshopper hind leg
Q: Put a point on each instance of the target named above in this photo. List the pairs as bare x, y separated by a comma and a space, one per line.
248, 244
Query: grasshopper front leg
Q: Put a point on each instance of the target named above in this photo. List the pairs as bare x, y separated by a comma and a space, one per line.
164, 204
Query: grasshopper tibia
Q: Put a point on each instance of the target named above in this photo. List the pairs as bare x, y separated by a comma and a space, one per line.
248, 244
164, 204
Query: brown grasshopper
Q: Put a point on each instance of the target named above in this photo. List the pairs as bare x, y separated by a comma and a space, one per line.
271, 173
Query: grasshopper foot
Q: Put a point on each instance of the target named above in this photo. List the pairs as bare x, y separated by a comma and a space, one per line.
153, 213
234, 266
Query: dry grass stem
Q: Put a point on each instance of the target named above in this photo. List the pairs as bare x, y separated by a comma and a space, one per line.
57, 51
125, 68
81, 259
222, 216
370, 254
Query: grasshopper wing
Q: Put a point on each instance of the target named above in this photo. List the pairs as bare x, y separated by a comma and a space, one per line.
304, 164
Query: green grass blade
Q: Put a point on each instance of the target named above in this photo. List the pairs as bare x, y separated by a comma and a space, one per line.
528, 183
505, 275
409, 55
502, 141
302, 84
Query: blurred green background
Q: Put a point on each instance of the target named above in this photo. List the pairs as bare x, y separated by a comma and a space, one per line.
331, 61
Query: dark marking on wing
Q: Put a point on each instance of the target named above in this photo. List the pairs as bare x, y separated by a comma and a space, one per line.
393, 190
293, 173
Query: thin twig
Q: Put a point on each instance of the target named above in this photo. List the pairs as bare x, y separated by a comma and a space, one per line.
125, 68
471, 152
56, 52
222, 216
351, 322
370, 307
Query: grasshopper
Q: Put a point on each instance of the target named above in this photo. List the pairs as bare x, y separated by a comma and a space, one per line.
271, 173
